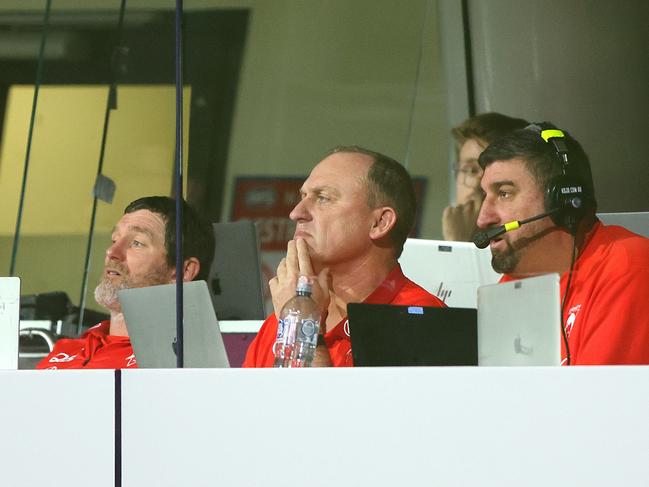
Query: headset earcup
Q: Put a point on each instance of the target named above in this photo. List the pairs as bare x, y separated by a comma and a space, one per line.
566, 193
569, 195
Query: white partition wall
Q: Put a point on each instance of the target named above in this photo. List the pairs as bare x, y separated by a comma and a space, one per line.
351, 427
57, 428
387, 427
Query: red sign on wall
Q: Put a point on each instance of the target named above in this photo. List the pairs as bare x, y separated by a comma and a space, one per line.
268, 201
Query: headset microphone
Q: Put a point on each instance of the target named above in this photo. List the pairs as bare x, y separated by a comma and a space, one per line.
482, 239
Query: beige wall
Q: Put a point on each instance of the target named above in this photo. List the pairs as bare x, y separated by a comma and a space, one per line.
320, 74
315, 74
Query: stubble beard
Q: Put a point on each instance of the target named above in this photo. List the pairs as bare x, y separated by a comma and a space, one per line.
106, 292
505, 261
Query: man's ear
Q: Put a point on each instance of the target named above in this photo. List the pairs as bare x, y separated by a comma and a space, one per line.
191, 268
385, 219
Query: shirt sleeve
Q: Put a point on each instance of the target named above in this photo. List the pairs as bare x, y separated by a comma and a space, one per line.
260, 351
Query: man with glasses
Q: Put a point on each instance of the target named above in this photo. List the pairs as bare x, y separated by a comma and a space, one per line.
472, 137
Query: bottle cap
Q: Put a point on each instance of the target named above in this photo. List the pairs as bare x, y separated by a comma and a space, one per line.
304, 285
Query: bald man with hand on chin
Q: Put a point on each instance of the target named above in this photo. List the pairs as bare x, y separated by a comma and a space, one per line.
356, 210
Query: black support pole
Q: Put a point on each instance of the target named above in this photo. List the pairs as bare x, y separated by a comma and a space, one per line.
180, 265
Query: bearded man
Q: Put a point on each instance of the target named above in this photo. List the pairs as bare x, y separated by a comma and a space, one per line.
541, 170
142, 253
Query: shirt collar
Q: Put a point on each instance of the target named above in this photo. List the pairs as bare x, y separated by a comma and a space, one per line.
389, 288
100, 330
102, 333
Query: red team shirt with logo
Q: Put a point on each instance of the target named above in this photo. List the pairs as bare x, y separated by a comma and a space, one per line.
396, 289
96, 349
607, 312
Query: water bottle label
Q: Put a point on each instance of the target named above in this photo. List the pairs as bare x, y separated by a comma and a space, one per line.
309, 331
290, 327
280, 330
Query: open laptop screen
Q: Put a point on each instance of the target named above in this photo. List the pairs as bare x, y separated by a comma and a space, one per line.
235, 276
452, 271
150, 314
519, 322
386, 335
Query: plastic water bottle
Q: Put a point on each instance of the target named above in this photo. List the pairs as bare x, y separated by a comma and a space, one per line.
297, 330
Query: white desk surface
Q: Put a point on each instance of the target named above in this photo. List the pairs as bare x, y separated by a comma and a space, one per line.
57, 428
345, 427
387, 427
240, 326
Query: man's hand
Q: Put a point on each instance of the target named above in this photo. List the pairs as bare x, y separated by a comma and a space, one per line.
322, 357
298, 263
459, 222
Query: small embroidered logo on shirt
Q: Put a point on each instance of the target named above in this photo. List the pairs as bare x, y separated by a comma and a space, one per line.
62, 357
130, 360
572, 316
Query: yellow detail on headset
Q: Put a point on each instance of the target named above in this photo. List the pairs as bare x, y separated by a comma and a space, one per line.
551, 133
512, 225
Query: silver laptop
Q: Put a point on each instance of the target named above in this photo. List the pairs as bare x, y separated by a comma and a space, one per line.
150, 314
452, 271
519, 322
637, 222
235, 275
9, 322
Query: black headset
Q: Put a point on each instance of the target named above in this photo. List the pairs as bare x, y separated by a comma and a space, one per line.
567, 194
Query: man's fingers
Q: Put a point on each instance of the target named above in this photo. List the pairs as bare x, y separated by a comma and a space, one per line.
472, 211
281, 270
467, 208
304, 259
477, 197
272, 284
291, 257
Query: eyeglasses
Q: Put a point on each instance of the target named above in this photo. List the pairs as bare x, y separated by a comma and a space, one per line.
468, 175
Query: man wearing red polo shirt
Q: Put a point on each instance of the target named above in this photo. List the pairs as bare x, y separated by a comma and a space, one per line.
604, 269
356, 210
142, 253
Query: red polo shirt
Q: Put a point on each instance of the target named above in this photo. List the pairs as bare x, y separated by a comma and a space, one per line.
396, 289
96, 349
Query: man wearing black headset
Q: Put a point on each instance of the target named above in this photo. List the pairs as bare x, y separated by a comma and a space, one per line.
542, 174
